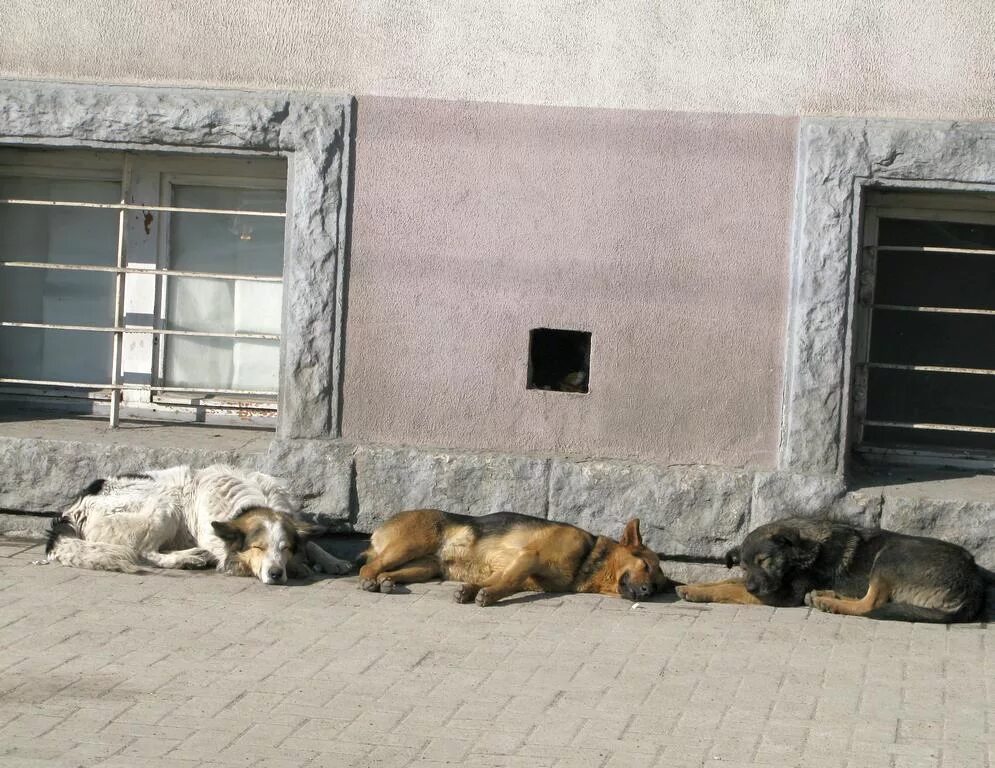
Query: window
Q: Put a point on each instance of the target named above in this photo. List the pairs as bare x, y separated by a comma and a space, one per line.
559, 360
171, 304
925, 347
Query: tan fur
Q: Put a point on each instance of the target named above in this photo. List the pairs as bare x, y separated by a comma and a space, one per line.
729, 591
249, 541
513, 555
878, 593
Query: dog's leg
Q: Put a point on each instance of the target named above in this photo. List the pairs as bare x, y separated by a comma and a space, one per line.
413, 572
822, 593
329, 564
729, 591
877, 595
181, 558
392, 557
510, 580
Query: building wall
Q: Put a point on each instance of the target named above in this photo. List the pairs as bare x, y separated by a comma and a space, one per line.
819, 57
665, 235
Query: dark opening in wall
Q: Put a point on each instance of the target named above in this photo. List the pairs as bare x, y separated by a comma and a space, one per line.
559, 360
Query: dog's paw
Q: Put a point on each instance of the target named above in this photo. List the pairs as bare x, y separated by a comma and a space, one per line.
465, 593
484, 598
821, 600
813, 595
370, 585
689, 593
386, 586
197, 558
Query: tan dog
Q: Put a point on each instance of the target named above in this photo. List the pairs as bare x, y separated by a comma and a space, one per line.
498, 555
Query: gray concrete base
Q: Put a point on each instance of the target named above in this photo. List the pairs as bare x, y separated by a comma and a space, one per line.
695, 512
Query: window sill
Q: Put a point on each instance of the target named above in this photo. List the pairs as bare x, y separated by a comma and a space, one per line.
924, 483
139, 434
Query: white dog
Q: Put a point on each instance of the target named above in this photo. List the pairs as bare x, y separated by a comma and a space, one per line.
242, 522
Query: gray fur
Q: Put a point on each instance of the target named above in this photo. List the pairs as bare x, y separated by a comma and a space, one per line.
928, 579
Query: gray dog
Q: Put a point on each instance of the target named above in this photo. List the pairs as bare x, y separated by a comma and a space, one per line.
840, 568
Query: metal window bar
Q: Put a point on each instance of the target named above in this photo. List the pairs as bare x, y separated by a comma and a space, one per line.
121, 271
931, 426
931, 249
930, 368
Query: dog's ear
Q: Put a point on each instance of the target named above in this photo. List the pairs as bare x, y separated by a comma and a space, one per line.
802, 552
631, 536
805, 552
732, 557
227, 532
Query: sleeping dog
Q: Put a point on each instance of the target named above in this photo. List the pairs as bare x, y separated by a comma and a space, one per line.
240, 522
500, 554
841, 568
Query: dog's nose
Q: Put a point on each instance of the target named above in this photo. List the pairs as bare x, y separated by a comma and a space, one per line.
645, 590
276, 573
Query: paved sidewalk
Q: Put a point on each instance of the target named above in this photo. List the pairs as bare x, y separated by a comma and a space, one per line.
195, 669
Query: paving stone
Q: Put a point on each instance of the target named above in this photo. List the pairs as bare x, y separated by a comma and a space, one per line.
184, 669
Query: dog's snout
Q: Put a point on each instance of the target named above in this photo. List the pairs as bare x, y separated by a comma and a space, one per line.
644, 590
275, 573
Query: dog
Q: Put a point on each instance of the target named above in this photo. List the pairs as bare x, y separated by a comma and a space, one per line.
497, 555
240, 522
841, 568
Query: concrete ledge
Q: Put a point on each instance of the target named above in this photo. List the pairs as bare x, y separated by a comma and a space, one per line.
390, 479
319, 473
45, 475
24, 525
687, 510
694, 512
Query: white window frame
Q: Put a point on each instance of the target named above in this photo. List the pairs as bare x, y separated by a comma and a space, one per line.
156, 173
176, 175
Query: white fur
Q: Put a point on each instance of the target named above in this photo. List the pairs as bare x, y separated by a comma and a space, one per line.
275, 555
164, 519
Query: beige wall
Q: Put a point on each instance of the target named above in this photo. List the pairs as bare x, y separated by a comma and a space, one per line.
665, 235
871, 57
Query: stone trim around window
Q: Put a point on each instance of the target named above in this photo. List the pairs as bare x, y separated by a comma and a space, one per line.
312, 131
838, 160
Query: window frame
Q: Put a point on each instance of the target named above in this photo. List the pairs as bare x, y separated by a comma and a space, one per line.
312, 131
249, 408
83, 168
158, 174
972, 208
840, 161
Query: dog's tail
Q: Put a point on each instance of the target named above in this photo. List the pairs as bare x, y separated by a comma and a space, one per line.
66, 547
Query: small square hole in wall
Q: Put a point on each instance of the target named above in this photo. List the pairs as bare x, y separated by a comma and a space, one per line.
559, 361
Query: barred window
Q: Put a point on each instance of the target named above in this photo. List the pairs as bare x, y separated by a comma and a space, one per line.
143, 283
925, 347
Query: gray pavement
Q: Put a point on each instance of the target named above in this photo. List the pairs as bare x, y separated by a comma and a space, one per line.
197, 669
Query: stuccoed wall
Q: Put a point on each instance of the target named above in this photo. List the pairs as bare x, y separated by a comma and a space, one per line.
830, 57
664, 235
